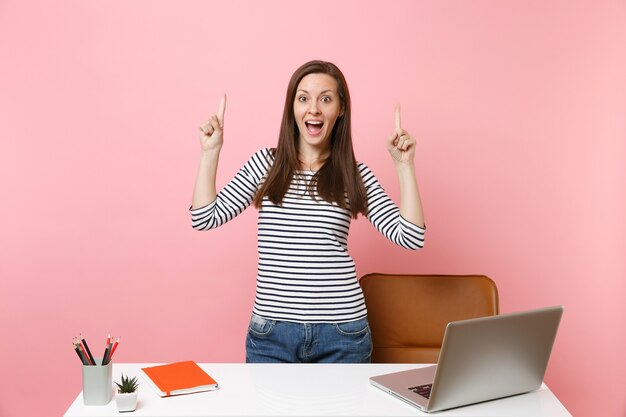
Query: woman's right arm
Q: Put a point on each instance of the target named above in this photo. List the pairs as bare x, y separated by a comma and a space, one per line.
210, 209
204, 191
236, 196
211, 140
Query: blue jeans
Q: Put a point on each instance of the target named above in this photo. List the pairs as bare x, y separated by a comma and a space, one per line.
282, 341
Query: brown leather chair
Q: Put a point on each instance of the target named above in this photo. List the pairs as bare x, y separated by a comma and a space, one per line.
408, 314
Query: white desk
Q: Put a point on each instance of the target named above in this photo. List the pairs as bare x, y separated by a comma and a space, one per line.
302, 390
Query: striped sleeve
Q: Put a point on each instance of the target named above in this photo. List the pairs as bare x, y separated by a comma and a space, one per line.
236, 196
383, 213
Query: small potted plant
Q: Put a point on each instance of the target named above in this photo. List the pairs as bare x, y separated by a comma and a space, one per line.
126, 396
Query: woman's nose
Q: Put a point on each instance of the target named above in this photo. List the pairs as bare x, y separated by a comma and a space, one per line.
313, 107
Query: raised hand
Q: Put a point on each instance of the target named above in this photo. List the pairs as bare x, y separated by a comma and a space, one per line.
401, 145
212, 132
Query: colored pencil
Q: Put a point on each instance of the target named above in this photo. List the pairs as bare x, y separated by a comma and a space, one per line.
107, 354
82, 351
78, 353
82, 355
86, 348
114, 347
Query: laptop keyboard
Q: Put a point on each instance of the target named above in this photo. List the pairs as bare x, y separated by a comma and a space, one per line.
423, 390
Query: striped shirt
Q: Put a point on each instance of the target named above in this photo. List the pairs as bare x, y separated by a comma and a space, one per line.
305, 273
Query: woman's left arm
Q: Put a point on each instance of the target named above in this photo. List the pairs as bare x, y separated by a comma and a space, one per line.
401, 147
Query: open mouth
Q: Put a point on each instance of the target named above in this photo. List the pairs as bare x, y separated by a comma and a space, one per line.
314, 127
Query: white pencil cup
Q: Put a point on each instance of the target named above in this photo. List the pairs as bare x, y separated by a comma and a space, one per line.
97, 383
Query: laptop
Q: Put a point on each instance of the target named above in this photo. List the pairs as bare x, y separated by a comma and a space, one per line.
481, 359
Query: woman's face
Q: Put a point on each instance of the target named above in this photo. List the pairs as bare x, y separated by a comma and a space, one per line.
316, 109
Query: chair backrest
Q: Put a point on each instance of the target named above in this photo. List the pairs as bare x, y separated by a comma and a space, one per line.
408, 314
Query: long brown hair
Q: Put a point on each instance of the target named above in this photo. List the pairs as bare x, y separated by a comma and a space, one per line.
339, 174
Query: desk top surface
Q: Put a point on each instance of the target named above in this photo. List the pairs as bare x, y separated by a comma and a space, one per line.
302, 390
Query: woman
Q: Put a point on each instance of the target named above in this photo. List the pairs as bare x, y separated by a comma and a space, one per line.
309, 306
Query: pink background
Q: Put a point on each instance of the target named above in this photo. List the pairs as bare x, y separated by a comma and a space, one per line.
520, 112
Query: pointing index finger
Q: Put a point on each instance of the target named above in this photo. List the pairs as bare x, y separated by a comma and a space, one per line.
398, 117
221, 110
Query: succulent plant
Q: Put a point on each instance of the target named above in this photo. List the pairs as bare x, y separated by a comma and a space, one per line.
128, 384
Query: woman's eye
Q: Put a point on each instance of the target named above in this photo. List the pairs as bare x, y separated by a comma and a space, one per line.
302, 99
325, 99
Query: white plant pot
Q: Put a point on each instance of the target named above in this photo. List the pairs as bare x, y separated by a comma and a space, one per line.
126, 401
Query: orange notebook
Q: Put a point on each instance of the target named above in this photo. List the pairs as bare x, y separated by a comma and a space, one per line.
179, 378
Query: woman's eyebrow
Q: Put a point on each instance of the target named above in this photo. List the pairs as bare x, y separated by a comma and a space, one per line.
322, 92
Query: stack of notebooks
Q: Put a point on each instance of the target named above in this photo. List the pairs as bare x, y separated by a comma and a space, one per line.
178, 378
